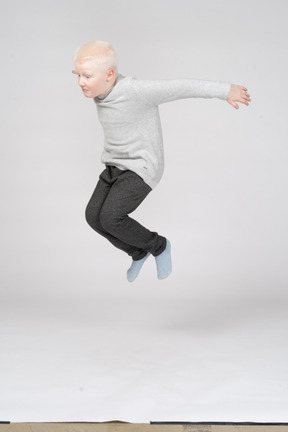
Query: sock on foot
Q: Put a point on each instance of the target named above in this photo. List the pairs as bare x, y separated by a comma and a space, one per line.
164, 263
135, 268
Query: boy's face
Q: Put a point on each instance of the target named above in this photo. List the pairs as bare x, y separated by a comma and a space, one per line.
92, 80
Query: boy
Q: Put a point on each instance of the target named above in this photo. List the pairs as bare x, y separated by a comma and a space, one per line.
133, 149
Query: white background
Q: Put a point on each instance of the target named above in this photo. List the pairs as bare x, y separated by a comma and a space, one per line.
78, 342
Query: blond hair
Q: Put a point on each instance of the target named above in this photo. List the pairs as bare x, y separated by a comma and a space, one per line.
101, 53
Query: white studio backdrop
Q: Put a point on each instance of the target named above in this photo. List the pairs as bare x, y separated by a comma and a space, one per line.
222, 203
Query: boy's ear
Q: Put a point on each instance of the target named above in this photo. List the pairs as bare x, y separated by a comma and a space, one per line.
109, 74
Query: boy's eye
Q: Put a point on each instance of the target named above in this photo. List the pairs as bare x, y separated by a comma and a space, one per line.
87, 76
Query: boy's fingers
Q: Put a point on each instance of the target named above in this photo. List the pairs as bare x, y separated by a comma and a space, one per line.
234, 104
244, 101
241, 96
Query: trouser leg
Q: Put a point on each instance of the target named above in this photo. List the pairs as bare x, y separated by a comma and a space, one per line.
117, 194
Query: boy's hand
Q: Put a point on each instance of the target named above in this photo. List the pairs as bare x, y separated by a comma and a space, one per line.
238, 93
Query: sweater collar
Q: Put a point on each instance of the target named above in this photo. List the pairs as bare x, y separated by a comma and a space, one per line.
102, 97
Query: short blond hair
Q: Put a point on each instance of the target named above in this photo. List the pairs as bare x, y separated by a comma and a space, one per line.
101, 53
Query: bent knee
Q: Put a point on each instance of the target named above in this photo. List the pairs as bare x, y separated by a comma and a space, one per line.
91, 217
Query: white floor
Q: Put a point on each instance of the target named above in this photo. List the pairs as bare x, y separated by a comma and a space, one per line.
73, 358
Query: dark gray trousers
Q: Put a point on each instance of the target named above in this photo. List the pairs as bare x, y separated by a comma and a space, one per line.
117, 194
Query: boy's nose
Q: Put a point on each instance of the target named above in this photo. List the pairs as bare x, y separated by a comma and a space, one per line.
80, 82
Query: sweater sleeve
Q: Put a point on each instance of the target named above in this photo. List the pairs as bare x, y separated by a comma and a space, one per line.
161, 91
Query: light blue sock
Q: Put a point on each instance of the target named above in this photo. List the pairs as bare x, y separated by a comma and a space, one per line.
135, 268
164, 263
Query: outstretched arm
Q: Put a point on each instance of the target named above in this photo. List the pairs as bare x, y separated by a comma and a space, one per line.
238, 93
157, 92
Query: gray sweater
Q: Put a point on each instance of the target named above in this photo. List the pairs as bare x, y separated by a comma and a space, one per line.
130, 119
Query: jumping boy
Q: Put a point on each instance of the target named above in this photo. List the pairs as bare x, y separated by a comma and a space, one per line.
133, 147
